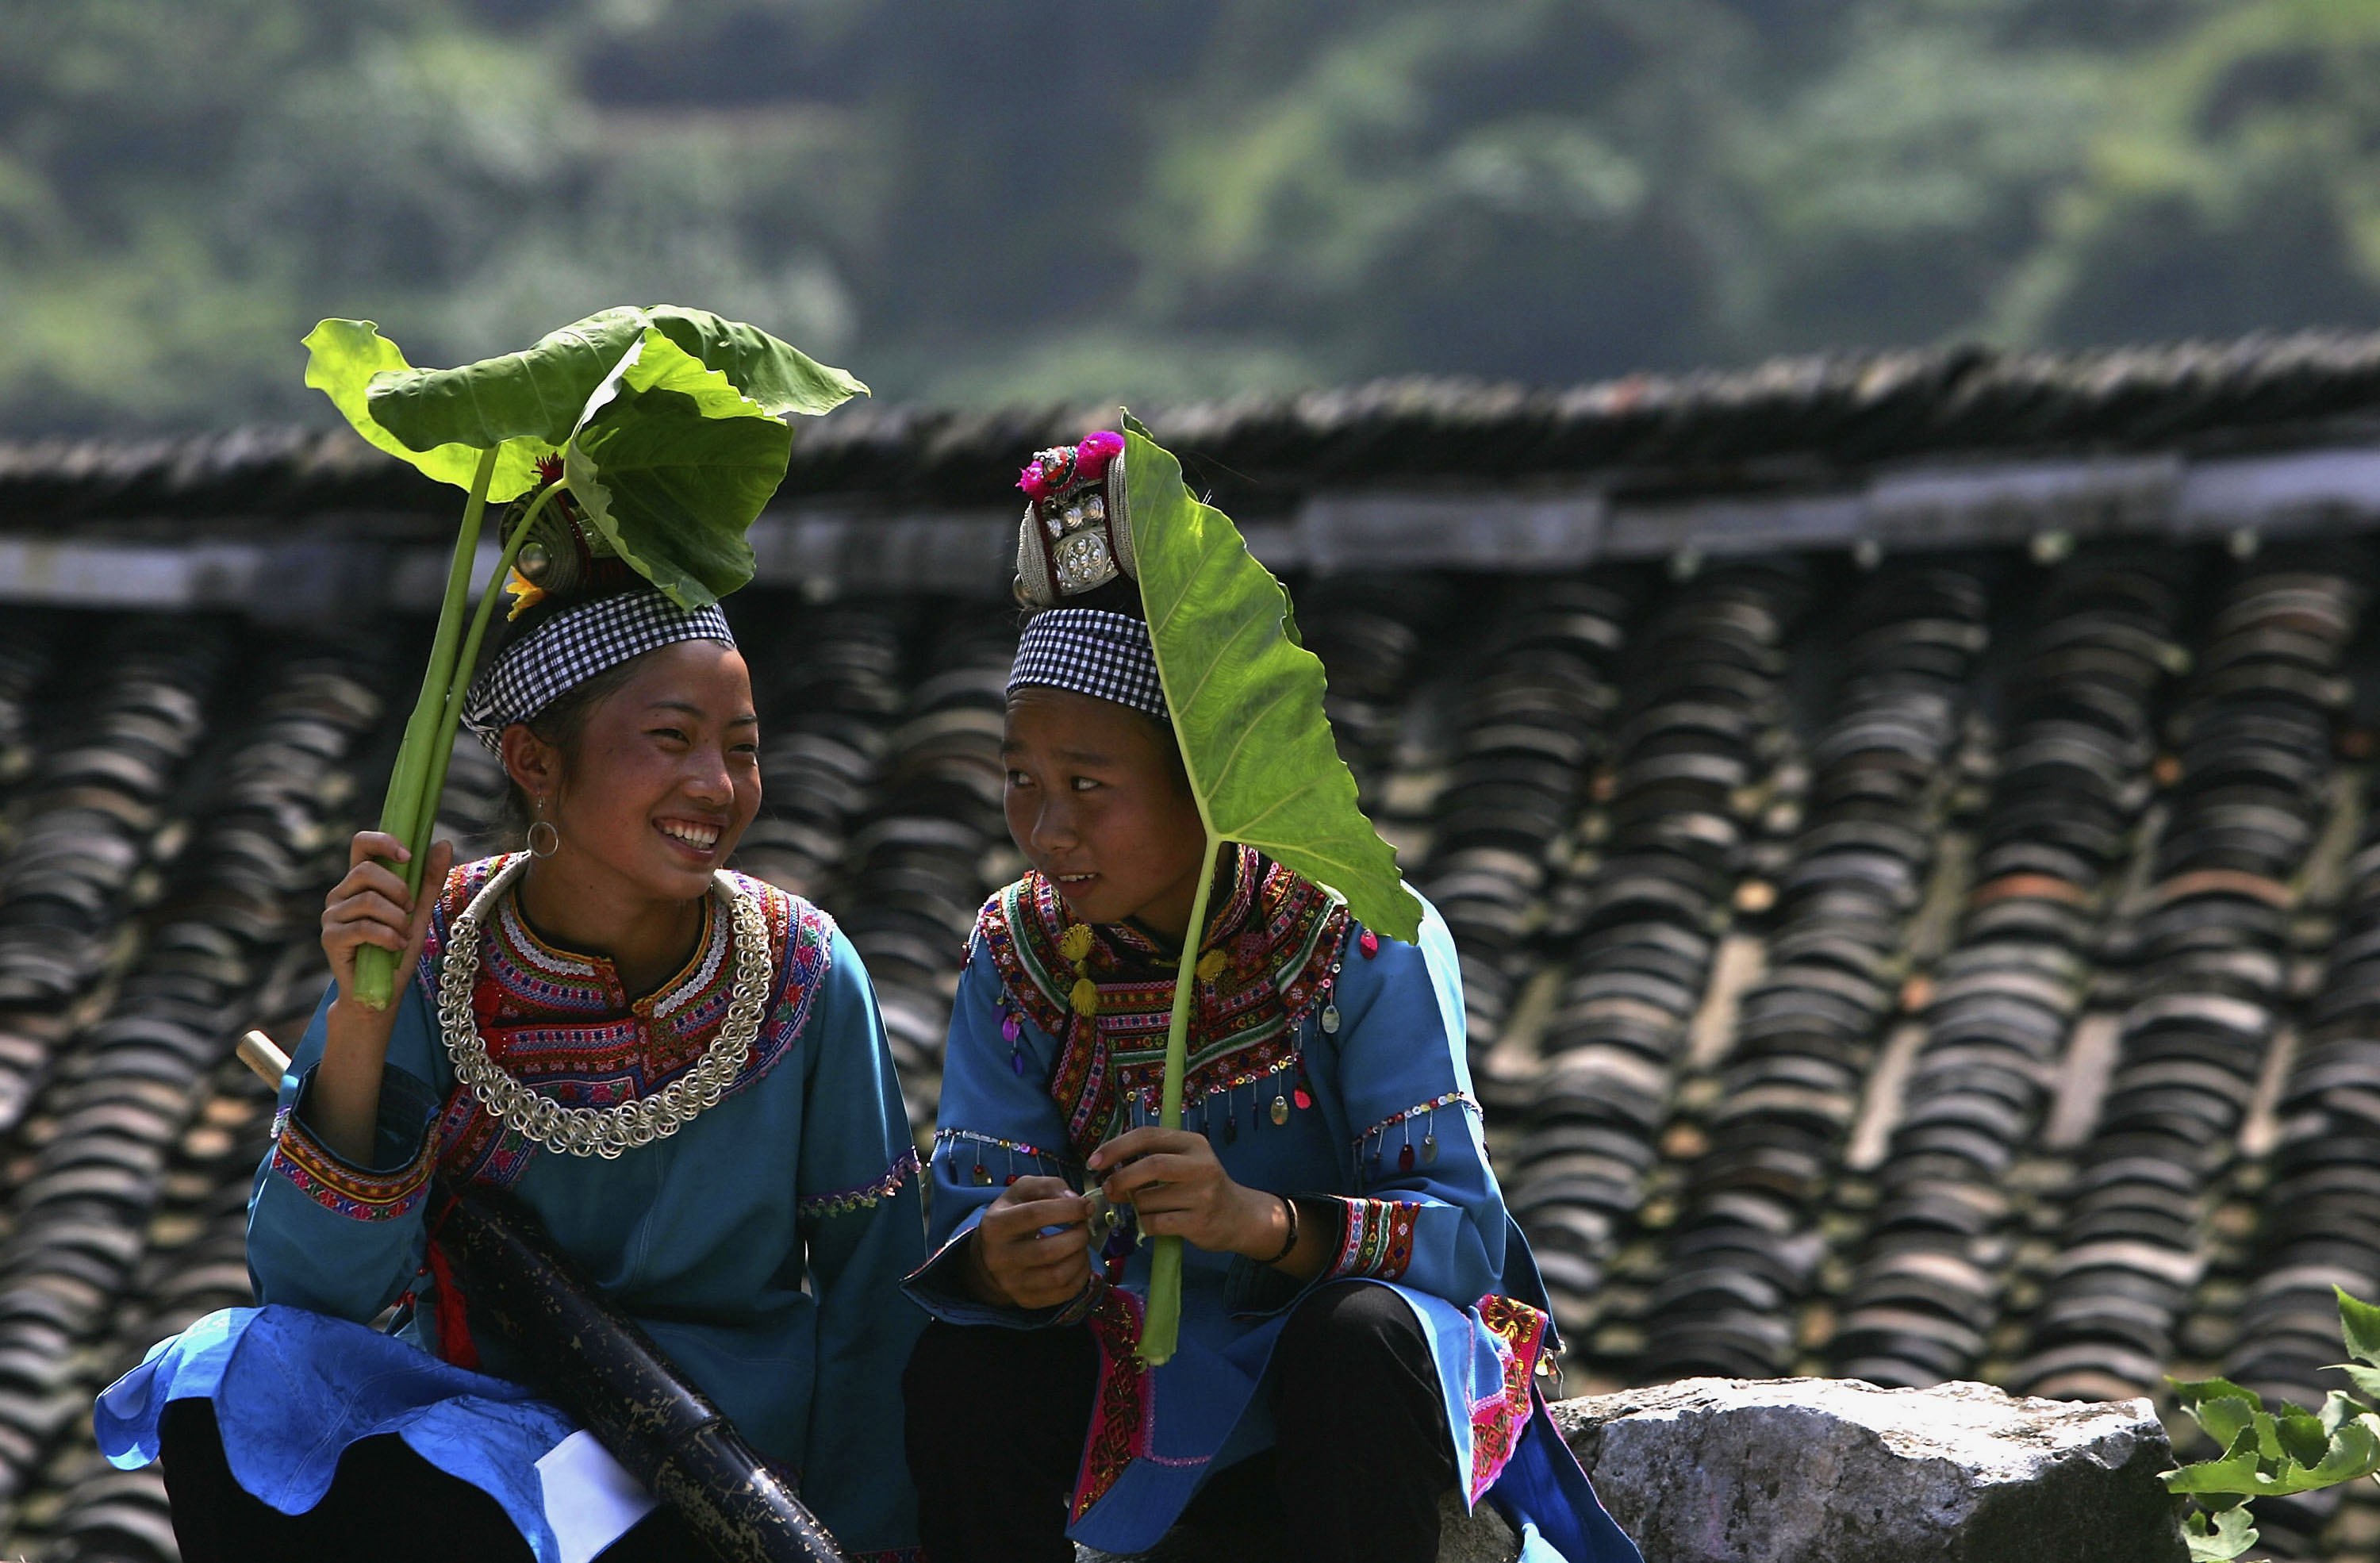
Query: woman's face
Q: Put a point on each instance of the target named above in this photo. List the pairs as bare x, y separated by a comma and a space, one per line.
664, 779
1095, 802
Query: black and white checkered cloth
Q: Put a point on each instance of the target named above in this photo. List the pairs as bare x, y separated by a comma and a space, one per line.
573, 646
1091, 651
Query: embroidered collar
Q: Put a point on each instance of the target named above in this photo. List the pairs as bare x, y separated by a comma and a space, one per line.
1106, 992
591, 983
561, 1023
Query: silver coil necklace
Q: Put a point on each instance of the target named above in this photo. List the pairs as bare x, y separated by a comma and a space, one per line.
605, 1132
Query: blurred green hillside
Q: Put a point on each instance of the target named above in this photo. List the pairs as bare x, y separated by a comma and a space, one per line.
1152, 198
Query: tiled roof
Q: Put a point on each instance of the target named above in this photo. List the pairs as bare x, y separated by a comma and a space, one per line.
1786, 421
1968, 966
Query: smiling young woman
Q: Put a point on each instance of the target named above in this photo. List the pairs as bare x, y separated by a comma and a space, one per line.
1360, 1320
677, 1069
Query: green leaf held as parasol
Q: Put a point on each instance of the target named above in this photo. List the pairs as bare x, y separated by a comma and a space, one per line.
1247, 703
669, 423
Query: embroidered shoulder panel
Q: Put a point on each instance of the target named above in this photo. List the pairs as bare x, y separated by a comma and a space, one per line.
1106, 993
563, 1024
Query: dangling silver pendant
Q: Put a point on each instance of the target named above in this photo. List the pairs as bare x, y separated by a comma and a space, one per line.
1280, 1109
1429, 1147
1330, 1019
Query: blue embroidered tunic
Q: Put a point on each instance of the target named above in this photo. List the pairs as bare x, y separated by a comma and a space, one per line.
1324, 1061
762, 1246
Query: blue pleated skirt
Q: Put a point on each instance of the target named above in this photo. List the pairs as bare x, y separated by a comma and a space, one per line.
292, 1389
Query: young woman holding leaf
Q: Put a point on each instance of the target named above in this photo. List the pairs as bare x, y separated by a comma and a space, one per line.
678, 1069
1332, 1321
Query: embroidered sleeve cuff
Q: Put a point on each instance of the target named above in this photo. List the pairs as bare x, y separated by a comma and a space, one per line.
863, 1196
1377, 1242
384, 1193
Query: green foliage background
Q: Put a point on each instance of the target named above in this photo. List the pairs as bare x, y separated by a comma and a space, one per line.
1068, 198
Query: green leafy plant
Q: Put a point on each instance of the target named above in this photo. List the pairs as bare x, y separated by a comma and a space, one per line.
1246, 697
668, 428
2274, 1451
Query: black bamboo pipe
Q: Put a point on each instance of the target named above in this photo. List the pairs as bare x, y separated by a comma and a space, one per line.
600, 1367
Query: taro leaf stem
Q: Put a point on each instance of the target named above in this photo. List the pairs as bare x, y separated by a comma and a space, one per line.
1161, 1325
459, 681
401, 809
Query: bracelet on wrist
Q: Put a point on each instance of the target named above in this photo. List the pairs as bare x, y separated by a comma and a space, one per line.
1289, 1244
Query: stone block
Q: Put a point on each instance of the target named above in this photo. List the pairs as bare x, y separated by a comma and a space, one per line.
1837, 1470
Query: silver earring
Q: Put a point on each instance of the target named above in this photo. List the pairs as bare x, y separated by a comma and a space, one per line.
543, 845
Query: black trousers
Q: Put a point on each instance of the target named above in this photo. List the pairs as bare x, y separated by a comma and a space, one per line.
997, 1418
386, 1504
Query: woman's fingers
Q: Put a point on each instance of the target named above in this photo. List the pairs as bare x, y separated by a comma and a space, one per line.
433, 878
1152, 1173
370, 844
374, 878
340, 935
1032, 1187
378, 934
367, 906
1035, 1242
372, 907
1148, 1142
1011, 1223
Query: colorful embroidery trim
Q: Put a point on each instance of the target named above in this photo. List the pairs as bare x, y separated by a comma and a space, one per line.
1378, 1241
563, 1025
965, 1165
945, 1136
1497, 1421
949, 1139
1107, 993
865, 1197
1124, 1411
330, 1182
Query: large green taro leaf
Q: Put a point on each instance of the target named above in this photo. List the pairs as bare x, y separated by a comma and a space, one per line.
541, 391
526, 403
672, 465
780, 378
1246, 698
344, 357
536, 394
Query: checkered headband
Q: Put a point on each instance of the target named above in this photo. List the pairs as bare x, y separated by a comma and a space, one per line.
1091, 651
573, 646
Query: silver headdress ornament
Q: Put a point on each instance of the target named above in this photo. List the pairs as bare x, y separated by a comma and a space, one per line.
1075, 536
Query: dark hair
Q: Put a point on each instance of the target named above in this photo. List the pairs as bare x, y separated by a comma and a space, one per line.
563, 721
1118, 596
1122, 596
561, 724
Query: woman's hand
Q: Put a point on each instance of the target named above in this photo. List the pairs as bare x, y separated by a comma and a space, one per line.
369, 906
1032, 1248
1172, 1179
